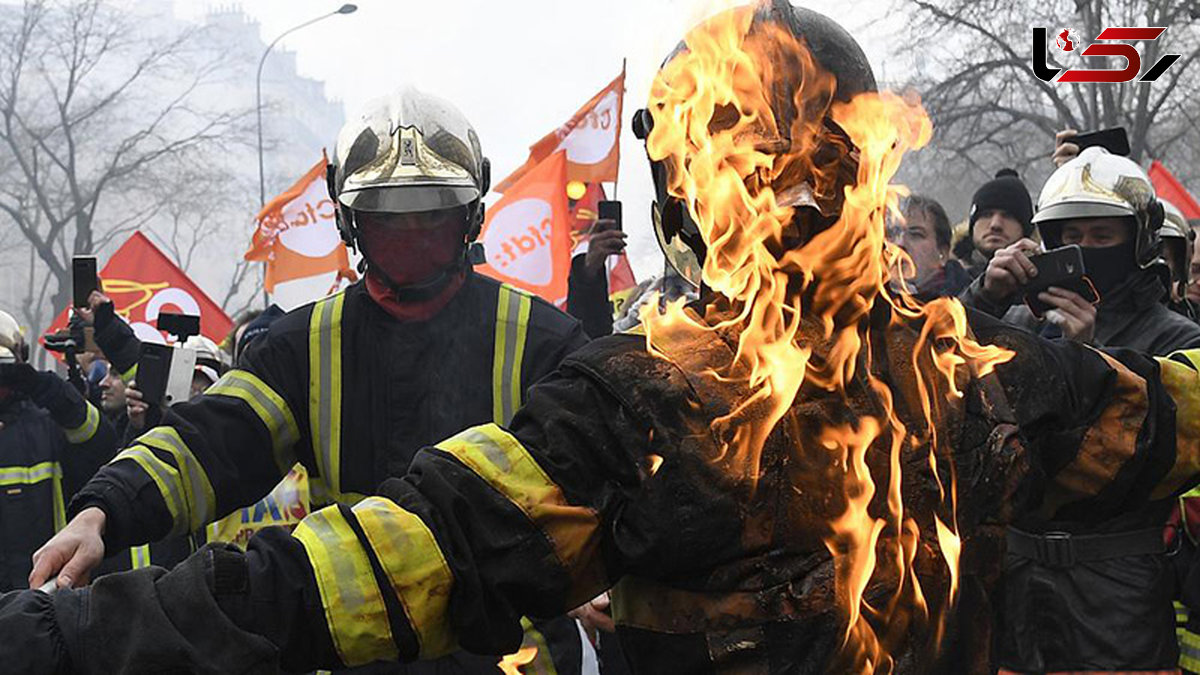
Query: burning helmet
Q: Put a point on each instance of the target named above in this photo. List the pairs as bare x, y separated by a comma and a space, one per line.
12, 342
1098, 184
833, 50
406, 153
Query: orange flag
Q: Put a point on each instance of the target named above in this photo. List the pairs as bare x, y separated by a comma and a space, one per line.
297, 235
591, 139
143, 282
1169, 188
526, 236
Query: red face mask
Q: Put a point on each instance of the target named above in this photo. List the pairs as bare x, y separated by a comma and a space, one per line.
408, 249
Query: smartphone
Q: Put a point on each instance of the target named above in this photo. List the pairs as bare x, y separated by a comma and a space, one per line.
84, 278
1062, 267
153, 372
609, 209
182, 326
1115, 140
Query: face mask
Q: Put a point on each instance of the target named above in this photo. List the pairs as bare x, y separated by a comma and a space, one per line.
1110, 266
411, 256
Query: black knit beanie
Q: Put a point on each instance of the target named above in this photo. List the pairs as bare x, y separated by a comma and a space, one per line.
1006, 193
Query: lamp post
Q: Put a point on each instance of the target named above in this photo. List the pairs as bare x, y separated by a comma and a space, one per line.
262, 186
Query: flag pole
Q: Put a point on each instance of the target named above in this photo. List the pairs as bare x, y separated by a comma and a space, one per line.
617, 182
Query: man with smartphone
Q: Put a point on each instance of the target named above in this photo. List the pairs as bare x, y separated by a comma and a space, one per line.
1122, 582
587, 289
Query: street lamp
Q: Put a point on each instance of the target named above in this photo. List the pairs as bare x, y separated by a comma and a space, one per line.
262, 186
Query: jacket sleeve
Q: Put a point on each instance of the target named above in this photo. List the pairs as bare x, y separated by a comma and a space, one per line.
118, 342
208, 456
91, 439
587, 298
488, 526
1110, 430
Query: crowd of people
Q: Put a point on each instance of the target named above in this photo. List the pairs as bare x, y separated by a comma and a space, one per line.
482, 468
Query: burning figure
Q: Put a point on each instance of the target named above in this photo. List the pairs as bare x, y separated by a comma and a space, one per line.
804, 471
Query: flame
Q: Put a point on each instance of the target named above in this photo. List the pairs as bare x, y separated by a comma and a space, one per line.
798, 301
511, 664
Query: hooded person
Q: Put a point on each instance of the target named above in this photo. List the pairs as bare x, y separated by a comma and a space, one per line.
802, 471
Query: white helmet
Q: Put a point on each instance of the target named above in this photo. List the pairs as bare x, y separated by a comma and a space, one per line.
208, 356
1097, 184
12, 340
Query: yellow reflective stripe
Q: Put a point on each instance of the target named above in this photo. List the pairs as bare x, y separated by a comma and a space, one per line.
1189, 651
416, 568
270, 407
354, 609
139, 556
165, 477
129, 375
325, 389
512, 323
499, 458
28, 475
1183, 384
60, 503
199, 501
87, 429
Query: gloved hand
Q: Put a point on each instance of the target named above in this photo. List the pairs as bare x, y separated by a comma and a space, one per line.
20, 377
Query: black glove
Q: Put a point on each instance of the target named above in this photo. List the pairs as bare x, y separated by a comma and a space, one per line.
103, 315
21, 377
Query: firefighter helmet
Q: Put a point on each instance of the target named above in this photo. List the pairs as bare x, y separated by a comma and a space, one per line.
835, 51
12, 340
408, 152
1098, 184
1177, 238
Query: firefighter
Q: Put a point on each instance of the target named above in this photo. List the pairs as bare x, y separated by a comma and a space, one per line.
1179, 242
613, 473
353, 385
51, 442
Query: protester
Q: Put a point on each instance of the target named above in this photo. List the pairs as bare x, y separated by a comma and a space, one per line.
587, 283
621, 468
51, 442
925, 235
354, 384
1001, 213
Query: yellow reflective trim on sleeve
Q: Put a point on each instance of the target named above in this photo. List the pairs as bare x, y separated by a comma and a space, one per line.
270, 408
325, 390
200, 503
139, 556
573, 531
413, 561
165, 477
512, 323
129, 375
354, 609
1183, 384
543, 659
87, 429
1189, 651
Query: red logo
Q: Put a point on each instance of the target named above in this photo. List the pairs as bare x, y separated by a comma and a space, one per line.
1106, 44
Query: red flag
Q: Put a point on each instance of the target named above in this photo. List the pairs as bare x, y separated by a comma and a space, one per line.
142, 282
526, 236
297, 235
1169, 188
591, 139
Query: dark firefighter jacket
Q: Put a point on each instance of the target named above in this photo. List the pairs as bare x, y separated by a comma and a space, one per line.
1062, 614
494, 524
344, 389
51, 443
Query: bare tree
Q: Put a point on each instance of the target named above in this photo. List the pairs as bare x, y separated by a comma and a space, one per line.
92, 107
972, 60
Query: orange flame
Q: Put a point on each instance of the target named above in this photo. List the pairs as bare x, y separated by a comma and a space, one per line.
511, 664
799, 301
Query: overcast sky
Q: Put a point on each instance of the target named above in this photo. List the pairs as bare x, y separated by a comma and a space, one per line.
517, 69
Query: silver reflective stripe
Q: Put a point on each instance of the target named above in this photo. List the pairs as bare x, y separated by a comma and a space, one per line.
268, 405
85, 431
197, 489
